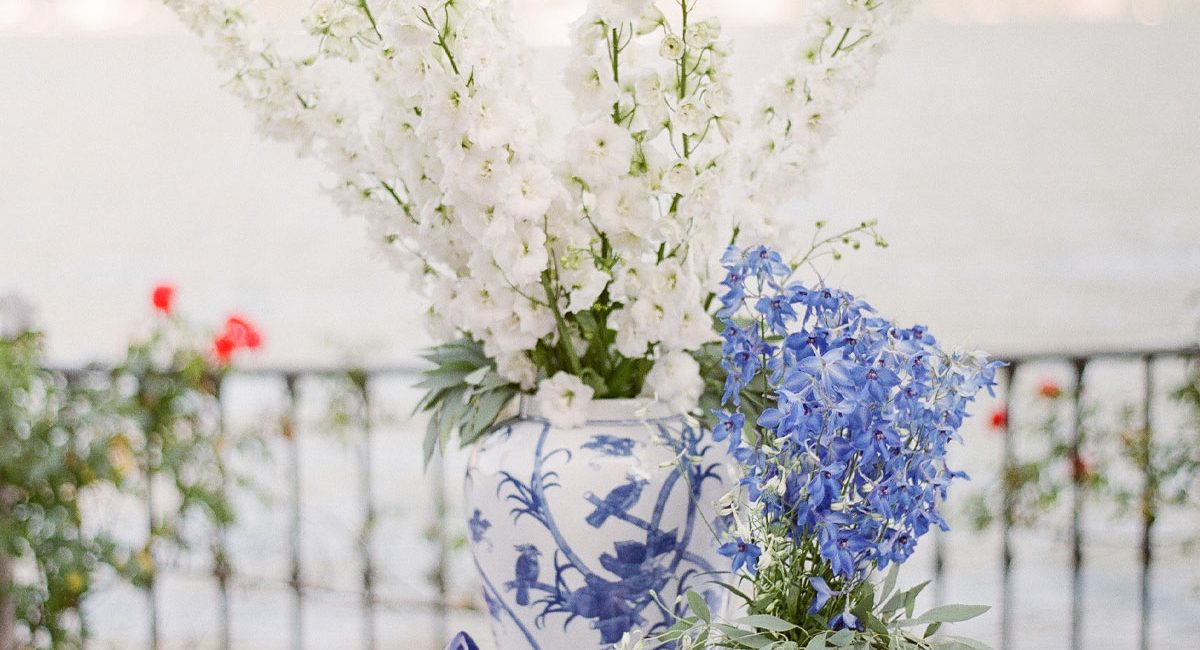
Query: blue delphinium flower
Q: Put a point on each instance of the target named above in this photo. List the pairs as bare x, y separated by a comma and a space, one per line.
742, 554
858, 418
729, 425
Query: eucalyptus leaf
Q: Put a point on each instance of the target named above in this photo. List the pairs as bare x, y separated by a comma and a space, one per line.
766, 622
952, 613
699, 607
842, 638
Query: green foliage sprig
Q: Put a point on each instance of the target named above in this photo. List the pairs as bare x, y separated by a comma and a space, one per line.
463, 394
54, 450
889, 616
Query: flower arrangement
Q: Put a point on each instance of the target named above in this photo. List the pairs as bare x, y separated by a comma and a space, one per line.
841, 422
581, 265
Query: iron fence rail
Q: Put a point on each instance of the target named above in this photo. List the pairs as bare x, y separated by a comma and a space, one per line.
370, 602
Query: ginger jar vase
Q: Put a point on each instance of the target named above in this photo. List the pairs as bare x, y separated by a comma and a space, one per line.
581, 535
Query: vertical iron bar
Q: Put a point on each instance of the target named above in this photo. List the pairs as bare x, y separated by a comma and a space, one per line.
361, 381
1149, 505
294, 531
221, 569
1008, 468
1078, 476
939, 567
437, 474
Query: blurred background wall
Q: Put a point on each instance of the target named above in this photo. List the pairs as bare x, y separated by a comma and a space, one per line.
1033, 163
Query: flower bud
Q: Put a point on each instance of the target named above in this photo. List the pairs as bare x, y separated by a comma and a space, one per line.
672, 48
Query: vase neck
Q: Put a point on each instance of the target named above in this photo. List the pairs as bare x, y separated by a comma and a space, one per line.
607, 410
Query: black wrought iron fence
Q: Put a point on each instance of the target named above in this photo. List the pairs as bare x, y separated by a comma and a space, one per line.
302, 587
1076, 393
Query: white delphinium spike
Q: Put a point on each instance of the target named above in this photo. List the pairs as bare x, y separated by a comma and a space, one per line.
797, 109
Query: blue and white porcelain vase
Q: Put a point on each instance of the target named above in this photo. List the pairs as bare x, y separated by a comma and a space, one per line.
574, 531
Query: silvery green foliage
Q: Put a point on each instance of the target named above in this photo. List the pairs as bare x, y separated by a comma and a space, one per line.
463, 394
890, 615
595, 258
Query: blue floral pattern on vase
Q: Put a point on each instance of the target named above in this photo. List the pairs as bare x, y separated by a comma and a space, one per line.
574, 532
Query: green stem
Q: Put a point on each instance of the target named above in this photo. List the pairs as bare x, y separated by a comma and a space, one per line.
564, 338
370, 17
441, 40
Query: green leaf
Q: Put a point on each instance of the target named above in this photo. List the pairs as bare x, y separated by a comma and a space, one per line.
817, 642
842, 638
475, 378
889, 582
766, 622
739, 593
910, 598
952, 613
931, 630
699, 607
874, 624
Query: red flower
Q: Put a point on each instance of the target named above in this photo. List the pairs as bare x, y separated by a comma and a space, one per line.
223, 348
163, 297
238, 334
1000, 418
1050, 389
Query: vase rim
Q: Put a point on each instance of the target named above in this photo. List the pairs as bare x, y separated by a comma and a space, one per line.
610, 409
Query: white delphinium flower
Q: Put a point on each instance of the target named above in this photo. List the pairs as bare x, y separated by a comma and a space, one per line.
584, 284
339, 24
691, 117
678, 178
520, 252
704, 33
672, 47
563, 399
623, 208
835, 57
595, 91
675, 379
599, 153
517, 368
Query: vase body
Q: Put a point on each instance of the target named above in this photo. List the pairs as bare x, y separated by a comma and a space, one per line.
573, 531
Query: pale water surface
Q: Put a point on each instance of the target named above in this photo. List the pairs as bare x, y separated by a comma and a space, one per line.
1038, 185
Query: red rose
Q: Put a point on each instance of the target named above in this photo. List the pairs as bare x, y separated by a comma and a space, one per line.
223, 348
242, 333
163, 297
1000, 417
